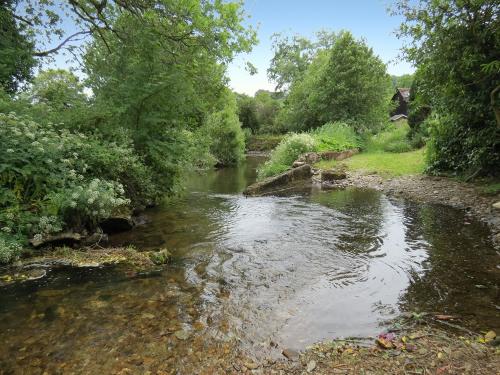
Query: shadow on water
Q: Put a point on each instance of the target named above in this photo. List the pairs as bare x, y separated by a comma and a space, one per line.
295, 269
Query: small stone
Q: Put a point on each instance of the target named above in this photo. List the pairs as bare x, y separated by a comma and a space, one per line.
250, 365
332, 175
496, 205
182, 334
290, 354
311, 366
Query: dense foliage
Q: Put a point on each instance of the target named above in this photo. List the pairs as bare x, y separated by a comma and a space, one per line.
153, 102
16, 59
52, 179
293, 55
393, 138
405, 80
456, 45
288, 150
259, 113
346, 82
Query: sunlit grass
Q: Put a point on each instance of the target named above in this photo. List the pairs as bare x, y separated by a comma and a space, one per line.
383, 163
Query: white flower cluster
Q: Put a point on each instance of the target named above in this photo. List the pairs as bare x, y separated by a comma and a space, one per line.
98, 199
48, 224
9, 250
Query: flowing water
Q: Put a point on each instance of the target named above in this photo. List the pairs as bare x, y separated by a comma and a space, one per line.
289, 270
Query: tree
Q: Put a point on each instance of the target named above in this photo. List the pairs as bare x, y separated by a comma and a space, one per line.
292, 56
455, 45
267, 108
344, 83
405, 80
16, 51
159, 90
247, 112
57, 88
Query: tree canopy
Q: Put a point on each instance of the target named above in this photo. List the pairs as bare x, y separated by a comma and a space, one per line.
346, 82
16, 50
456, 45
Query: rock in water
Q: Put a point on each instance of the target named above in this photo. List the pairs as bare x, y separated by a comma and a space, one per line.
182, 334
300, 173
290, 354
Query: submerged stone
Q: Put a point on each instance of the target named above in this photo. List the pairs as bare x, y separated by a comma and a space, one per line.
290, 354
182, 334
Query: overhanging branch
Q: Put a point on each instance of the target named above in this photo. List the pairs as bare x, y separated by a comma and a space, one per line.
62, 44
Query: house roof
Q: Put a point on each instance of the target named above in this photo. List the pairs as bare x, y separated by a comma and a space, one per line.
398, 117
405, 93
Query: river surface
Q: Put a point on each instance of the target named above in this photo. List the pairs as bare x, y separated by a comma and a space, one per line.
262, 273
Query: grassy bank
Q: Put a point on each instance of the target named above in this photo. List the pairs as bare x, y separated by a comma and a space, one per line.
387, 164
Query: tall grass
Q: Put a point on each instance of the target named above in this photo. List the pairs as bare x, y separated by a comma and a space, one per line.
335, 136
394, 138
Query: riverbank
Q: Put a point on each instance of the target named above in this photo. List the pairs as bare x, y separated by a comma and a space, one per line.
421, 349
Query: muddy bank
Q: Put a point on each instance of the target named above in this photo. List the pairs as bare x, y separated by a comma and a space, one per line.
435, 190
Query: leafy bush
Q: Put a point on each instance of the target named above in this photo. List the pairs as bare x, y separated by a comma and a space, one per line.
288, 150
454, 147
47, 179
228, 140
88, 203
335, 136
394, 138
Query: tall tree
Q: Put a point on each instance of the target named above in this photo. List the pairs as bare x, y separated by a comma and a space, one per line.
16, 50
456, 46
347, 82
292, 56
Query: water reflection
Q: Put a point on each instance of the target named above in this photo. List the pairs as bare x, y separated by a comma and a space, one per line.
297, 268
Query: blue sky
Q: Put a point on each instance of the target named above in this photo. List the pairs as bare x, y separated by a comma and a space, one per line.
366, 19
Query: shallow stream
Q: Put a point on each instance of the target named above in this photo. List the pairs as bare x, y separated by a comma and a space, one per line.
286, 270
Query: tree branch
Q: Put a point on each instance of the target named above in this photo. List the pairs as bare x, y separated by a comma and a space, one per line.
58, 47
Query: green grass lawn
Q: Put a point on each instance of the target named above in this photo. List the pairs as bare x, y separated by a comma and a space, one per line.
383, 163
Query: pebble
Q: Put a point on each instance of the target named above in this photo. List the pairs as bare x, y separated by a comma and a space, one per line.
182, 334
311, 366
290, 354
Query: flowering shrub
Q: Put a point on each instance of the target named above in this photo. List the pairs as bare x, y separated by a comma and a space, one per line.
88, 204
48, 183
288, 150
10, 248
